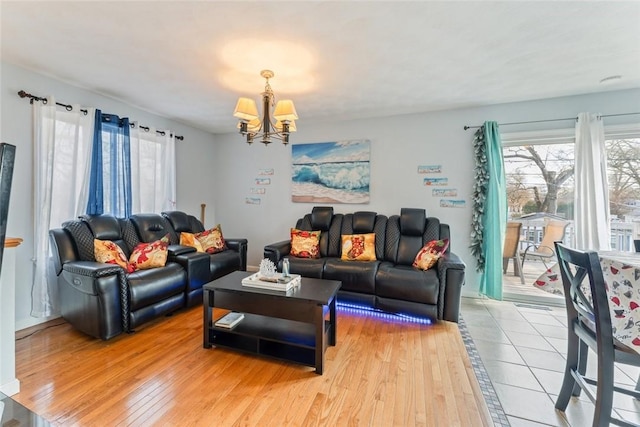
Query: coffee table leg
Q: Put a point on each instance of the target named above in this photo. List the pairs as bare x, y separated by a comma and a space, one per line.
207, 304
319, 321
332, 322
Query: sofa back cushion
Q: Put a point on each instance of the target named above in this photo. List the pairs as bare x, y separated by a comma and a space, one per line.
322, 219
82, 239
179, 221
106, 227
152, 227
412, 221
103, 227
362, 222
129, 234
408, 232
412, 225
183, 222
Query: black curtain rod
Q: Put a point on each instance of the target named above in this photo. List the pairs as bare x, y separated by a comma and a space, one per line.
69, 107
550, 120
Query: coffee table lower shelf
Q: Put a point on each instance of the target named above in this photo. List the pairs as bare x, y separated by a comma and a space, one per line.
272, 337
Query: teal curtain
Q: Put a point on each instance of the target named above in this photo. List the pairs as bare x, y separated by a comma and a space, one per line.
490, 209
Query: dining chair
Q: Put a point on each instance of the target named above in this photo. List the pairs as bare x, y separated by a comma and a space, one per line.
511, 249
554, 230
589, 326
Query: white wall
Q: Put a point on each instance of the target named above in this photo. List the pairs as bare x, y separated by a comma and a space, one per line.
398, 145
195, 156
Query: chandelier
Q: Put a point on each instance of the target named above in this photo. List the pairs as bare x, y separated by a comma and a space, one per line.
279, 127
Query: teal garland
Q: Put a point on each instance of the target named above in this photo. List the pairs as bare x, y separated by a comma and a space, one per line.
479, 197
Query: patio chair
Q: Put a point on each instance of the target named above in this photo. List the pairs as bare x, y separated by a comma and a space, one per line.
590, 327
511, 249
554, 231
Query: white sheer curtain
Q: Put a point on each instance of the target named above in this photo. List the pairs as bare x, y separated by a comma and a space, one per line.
62, 155
591, 207
153, 170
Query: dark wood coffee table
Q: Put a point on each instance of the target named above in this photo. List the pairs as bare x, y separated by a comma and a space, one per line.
296, 326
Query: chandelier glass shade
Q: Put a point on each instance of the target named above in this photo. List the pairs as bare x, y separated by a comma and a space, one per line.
277, 125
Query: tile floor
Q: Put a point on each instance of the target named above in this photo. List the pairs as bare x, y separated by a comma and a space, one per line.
522, 348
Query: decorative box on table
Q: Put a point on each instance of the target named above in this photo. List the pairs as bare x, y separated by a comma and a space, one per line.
277, 282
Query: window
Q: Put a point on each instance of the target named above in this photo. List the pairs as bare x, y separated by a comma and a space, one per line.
539, 176
153, 178
133, 169
70, 165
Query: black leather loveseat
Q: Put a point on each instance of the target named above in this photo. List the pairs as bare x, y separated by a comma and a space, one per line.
104, 300
389, 283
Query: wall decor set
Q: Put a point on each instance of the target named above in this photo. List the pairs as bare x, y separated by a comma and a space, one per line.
446, 194
260, 181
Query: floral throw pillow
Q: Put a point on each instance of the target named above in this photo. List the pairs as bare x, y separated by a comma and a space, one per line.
430, 253
212, 240
150, 255
305, 244
108, 252
359, 247
189, 239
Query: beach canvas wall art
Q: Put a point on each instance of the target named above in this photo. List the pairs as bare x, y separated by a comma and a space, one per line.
331, 172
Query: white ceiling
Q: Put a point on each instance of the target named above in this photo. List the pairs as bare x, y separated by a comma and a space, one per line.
190, 60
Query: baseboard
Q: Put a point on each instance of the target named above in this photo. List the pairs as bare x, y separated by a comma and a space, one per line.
34, 321
551, 300
10, 388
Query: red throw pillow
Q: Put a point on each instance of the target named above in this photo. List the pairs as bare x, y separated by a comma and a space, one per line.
212, 240
359, 247
108, 252
150, 255
430, 253
305, 244
189, 239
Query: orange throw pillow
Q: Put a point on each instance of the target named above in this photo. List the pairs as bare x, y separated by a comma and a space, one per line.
108, 252
430, 254
212, 240
150, 255
189, 239
359, 247
305, 244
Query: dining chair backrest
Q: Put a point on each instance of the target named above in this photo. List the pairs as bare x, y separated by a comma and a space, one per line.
554, 231
586, 295
511, 239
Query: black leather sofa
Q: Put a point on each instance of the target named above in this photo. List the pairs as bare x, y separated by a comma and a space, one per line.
389, 283
103, 300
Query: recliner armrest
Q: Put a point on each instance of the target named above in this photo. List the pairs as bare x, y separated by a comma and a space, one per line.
451, 260
196, 264
241, 246
175, 250
95, 298
451, 270
82, 274
276, 251
236, 244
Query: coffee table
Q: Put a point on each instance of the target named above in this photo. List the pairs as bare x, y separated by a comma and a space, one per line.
296, 325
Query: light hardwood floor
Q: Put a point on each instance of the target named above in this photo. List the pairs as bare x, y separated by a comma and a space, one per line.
381, 373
